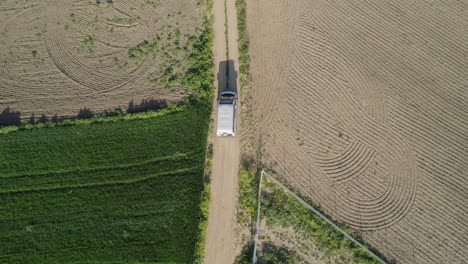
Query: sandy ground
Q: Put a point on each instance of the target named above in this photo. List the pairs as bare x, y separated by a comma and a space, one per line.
47, 67
222, 243
363, 107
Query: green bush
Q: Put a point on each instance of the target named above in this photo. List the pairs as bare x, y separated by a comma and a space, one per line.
88, 43
142, 49
199, 76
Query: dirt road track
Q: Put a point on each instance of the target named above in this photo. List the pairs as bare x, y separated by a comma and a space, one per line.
221, 236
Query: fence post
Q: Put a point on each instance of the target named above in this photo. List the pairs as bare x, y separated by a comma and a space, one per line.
257, 224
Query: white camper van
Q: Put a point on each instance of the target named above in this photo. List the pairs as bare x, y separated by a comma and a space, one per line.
227, 114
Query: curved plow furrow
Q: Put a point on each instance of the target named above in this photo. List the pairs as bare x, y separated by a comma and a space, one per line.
78, 52
370, 118
387, 208
349, 165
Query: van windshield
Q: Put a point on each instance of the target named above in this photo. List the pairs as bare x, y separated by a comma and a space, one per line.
226, 99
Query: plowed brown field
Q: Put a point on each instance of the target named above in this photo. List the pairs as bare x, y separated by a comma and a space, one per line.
363, 107
60, 56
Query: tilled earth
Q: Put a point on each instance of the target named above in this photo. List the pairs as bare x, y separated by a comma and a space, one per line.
72, 57
362, 106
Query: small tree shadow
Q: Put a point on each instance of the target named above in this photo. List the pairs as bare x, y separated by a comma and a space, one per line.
145, 105
32, 119
9, 117
245, 256
85, 113
272, 254
42, 119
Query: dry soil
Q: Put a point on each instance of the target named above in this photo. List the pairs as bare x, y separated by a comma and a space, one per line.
363, 106
58, 57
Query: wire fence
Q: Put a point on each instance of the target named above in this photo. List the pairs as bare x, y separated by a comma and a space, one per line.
257, 225
287, 190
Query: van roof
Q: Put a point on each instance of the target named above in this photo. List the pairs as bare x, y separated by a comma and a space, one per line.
225, 119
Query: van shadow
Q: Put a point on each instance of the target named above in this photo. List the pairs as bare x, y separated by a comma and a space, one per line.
227, 77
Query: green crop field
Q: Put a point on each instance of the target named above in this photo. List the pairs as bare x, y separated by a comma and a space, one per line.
117, 190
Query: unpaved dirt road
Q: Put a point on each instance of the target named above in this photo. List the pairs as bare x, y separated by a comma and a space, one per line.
221, 236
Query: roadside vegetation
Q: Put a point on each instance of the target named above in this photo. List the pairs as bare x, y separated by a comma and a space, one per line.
249, 179
244, 58
249, 172
244, 62
278, 208
116, 187
279, 212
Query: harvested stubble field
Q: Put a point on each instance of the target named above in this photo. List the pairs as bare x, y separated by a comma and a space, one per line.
362, 105
125, 189
59, 57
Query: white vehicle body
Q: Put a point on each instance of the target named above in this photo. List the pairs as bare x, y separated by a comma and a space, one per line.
226, 122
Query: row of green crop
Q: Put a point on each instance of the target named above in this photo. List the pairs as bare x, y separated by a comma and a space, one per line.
163, 161
128, 190
151, 221
83, 146
101, 176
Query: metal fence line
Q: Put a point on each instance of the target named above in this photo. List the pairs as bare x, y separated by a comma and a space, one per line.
310, 208
257, 225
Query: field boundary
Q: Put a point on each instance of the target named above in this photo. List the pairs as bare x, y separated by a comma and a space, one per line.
257, 224
207, 69
311, 208
118, 116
